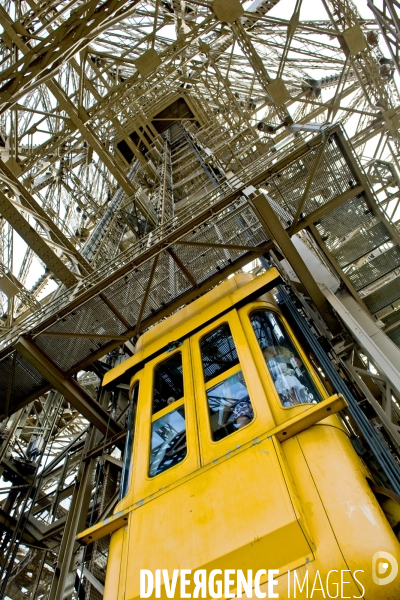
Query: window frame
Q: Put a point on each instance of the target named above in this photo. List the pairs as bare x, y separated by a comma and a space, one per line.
262, 366
159, 415
222, 377
144, 483
125, 501
262, 420
167, 408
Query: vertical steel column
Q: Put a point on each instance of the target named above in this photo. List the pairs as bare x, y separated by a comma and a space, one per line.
65, 571
166, 194
277, 233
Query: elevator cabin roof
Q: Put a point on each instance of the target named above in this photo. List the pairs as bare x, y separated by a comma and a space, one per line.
236, 290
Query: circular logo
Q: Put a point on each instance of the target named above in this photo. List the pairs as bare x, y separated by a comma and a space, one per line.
384, 568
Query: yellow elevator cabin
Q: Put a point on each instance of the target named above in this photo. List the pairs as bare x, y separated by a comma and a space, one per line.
236, 458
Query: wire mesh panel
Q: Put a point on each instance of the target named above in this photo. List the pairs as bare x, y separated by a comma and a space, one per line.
19, 380
376, 268
6, 372
338, 224
391, 318
108, 483
127, 293
384, 296
213, 223
237, 225
394, 335
331, 178
26, 380
168, 283
173, 276
94, 317
362, 243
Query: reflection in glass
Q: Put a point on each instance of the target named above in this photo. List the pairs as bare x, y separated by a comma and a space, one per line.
292, 381
168, 382
229, 406
168, 441
218, 352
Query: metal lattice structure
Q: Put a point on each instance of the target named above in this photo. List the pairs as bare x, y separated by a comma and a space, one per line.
148, 149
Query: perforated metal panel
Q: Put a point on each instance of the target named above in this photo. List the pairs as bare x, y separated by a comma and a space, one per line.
126, 294
26, 380
92, 317
189, 266
234, 225
392, 318
332, 178
108, 484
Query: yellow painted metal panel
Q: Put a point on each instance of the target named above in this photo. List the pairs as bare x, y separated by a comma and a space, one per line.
114, 567
286, 491
237, 514
310, 416
359, 524
328, 555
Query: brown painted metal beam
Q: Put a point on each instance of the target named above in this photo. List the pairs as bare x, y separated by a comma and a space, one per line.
328, 207
75, 334
185, 298
29, 535
36, 242
221, 246
79, 398
105, 445
361, 178
278, 234
44, 60
146, 294
182, 267
309, 183
336, 267
79, 120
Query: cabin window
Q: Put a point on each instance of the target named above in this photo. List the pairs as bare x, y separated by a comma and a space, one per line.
168, 430
168, 382
228, 400
289, 374
130, 427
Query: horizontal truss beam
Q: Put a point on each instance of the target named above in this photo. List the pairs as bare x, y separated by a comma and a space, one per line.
78, 397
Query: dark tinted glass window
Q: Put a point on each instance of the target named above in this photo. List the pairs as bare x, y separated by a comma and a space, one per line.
290, 376
229, 404
218, 352
168, 382
168, 432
